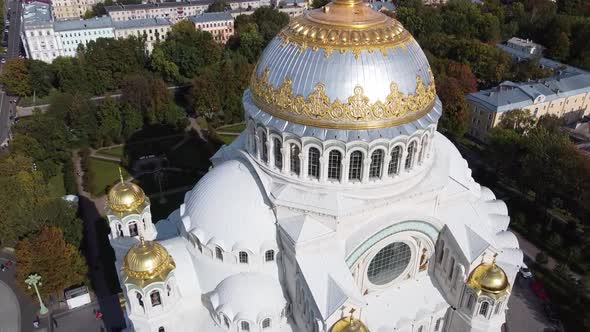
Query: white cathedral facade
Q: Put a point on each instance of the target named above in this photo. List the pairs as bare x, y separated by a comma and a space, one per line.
339, 208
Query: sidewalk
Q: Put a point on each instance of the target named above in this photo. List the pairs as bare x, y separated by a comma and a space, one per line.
531, 251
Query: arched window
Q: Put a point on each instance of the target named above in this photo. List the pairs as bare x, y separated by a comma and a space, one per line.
376, 162
410, 156
483, 309
266, 323
269, 255
133, 229
396, 155
244, 326
161, 329
226, 321
243, 256
334, 161
294, 155
119, 229
356, 161
264, 147
313, 169
277, 153
423, 149
253, 138
218, 253
451, 265
198, 244
155, 297
421, 329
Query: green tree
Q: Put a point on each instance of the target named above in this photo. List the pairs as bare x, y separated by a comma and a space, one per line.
109, 122
504, 147
319, 3
550, 122
251, 43
132, 120
41, 77
167, 69
15, 77
190, 49
49, 255
519, 120
203, 96
218, 6
561, 48
455, 109
269, 21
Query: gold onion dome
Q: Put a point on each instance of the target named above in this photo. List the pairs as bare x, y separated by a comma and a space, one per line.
489, 279
147, 262
344, 66
125, 197
349, 324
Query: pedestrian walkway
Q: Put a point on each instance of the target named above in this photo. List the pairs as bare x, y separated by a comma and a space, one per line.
9, 310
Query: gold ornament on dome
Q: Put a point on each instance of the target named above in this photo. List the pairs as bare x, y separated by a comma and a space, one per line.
489, 279
146, 262
345, 26
125, 196
356, 112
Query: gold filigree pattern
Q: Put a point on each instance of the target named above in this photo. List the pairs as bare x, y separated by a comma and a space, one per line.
357, 112
345, 28
147, 262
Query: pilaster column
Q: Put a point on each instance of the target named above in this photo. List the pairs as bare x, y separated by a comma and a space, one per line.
385, 167
365, 169
344, 168
323, 168
303, 164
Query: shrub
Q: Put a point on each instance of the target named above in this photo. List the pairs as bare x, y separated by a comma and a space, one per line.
69, 178
542, 258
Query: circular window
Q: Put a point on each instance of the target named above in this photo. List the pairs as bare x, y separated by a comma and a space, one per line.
389, 263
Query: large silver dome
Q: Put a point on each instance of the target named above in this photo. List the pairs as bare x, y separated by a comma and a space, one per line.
344, 66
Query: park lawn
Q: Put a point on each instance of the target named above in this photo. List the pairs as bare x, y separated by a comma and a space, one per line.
106, 173
117, 151
56, 185
227, 139
233, 128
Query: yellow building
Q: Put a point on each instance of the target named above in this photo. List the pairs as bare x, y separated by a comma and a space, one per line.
566, 96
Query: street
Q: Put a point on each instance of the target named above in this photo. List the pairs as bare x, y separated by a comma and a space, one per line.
8, 103
525, 309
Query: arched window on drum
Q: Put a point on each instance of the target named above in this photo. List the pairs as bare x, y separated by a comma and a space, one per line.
277, 153
253, 139
411, 155
396, 156
334, 165
423, 149
355, 168
294, 159
264, 147
376, 164
313, 167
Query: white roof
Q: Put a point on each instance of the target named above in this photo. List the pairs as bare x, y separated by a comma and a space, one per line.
227, 208
249, 296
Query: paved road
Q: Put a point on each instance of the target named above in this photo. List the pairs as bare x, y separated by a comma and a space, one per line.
7, 109
525, 313
9, 310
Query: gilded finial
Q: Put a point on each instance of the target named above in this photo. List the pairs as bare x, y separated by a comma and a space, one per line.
121, 175
494, 259
141, 240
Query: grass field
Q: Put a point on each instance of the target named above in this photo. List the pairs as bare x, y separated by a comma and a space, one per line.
106, 173
112, 152
227, 139
233, 128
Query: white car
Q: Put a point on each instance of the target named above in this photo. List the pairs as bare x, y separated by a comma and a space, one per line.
525, 271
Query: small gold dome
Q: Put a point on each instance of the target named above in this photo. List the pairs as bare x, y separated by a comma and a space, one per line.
147, 262
489, 279
349, 324
125, 197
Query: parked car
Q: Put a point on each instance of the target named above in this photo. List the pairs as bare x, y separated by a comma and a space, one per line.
3, 60
538, 289
525, 272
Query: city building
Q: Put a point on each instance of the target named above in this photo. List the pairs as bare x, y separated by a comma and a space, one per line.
220, 25
71, 9
173, 11
37, 34
566, 96
524, 48
339, 208
70, 34
152, 30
